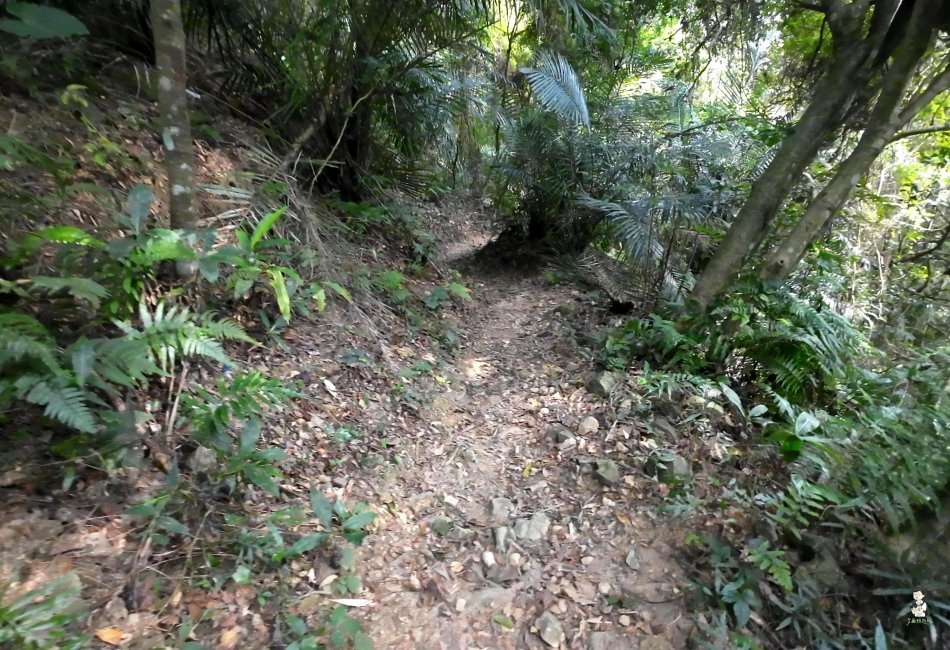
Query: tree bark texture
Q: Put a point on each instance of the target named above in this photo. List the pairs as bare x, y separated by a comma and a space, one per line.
885, 120
861, 48
170, 64
833, 96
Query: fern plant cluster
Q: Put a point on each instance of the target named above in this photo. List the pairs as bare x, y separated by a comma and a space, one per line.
866, 449
112, 339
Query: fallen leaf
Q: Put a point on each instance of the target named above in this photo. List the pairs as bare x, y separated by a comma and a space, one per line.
351, 602
229, 638
111, 635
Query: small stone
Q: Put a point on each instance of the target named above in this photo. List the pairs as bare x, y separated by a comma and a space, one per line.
501, 538
560, 433
369, 461
501, 509
604, 588
488, 559
602, 384
650, 592
13, 477
624, 620
586, 560
202, 460
450, 500
515, 559
606, 641
533, 529
441, 526
668, 466
549, 629
631, 560
655, 643
588, 425
661, 426
608, 472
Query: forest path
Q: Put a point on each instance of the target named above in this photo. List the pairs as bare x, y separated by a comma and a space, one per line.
499, 533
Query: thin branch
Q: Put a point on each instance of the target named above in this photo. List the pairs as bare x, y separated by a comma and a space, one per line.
699, 127
912, 132
346, 122
933, 249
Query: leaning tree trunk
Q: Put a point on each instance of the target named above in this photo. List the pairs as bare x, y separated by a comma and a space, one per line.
883, 123
169, 37
833, 96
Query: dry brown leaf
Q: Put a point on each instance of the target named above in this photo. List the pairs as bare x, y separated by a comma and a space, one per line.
229, 638
111, 635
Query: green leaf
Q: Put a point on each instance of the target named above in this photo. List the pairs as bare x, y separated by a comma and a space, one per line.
347, 558
732, 396
757, 410
261, 478
341, 291
359, 521
436, 297
138, 205
306, 543
83, 359
320, 297
742, 611
208, 268
322, 508
297, 625
244, 240
38, 22
353, 584
503, 621
242, 286
362, 642
880, 637
265, 226
459, 291
557, 88
805, 423
61, 235
79, 288
250, 434
172, 525
143, 510
242, 575
280, 292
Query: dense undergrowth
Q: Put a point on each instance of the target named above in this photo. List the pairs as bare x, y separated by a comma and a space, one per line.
827, 449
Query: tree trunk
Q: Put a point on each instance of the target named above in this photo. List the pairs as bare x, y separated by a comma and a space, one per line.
169, 37
885, 120
832, 98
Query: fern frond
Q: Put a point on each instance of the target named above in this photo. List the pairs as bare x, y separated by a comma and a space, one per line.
23, 337
65, 404
79, 288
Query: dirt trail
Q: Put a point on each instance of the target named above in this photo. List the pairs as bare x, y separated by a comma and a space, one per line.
499, 534
512, 512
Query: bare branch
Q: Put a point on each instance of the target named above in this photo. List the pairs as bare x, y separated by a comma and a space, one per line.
923, 131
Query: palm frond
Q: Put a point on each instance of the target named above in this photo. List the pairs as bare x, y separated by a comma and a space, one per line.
557, 88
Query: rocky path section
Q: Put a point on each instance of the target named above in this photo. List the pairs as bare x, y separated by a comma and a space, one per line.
514, 520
